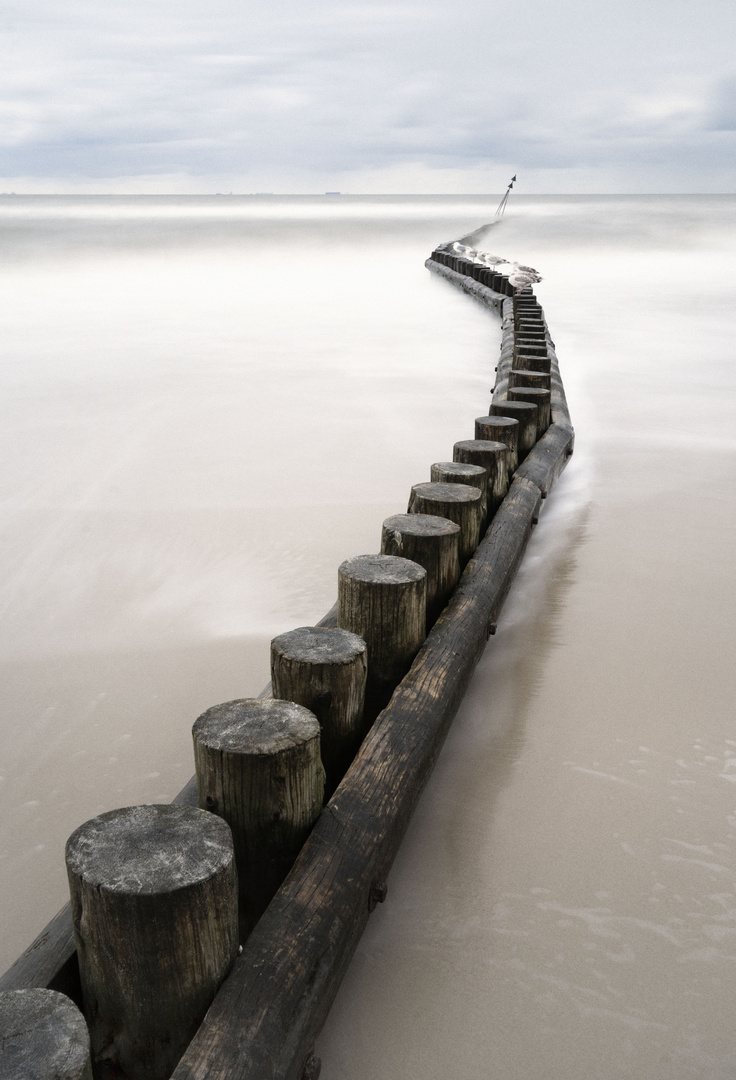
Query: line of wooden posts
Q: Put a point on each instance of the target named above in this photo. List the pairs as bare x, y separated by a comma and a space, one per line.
207, 938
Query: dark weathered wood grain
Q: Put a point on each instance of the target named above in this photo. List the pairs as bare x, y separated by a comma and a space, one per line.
458, 472
259, 768
461, 503
433, 542
383, 599
503, 429
526, 414
324, 669
523, 377
538, 396
524, 362
548, 458
154, 906
49, 961
43, 1036
493, 456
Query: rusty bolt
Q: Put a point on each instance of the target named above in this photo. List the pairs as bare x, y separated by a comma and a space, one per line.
377, 895
312, 1068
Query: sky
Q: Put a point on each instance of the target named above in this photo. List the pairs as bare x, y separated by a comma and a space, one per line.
307, 96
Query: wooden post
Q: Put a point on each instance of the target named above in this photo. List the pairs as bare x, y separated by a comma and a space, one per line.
503, 429
527, 311
523, 378
154, 909
324, 669
530, 347
433, 542
493, 456
460, 503
535, 396
458, 472
524, 362
526, 414
43, 1036
259, 768
383, 599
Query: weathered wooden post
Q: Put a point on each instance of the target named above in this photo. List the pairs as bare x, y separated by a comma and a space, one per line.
526, 414
154, 909
432, 542
503, 429
524, 378
525, 303
458, 472
324, 669
259, 768
43, 1036
460, 503
524, 362
383, 599
493, 456
529, 347
536, 396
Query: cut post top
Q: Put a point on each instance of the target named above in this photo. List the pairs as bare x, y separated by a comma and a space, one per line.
482, 446
319, 645
474, 474
255, 726
497, 422
148, 849
43, 1036
420, 525
382, 570
521, 410
458, 493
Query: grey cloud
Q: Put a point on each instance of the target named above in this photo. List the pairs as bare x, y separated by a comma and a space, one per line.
164, 87
723, 107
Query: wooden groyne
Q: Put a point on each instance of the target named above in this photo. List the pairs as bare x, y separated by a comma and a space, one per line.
269, 1008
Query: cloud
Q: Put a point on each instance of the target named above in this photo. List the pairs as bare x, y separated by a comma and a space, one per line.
285, 92
723, 107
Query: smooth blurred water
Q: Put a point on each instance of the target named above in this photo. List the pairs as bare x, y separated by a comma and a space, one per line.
208, 404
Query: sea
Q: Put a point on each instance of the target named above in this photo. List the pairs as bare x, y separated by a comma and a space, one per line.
208, 403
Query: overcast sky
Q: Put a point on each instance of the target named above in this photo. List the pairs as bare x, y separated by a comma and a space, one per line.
442, 96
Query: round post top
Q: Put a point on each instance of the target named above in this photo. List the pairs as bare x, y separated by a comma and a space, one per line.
449, 493
256, 726
319, 645
42, 1035
382, 570
421, 524
149, 849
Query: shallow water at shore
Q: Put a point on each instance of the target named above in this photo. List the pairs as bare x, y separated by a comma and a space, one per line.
193, 444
